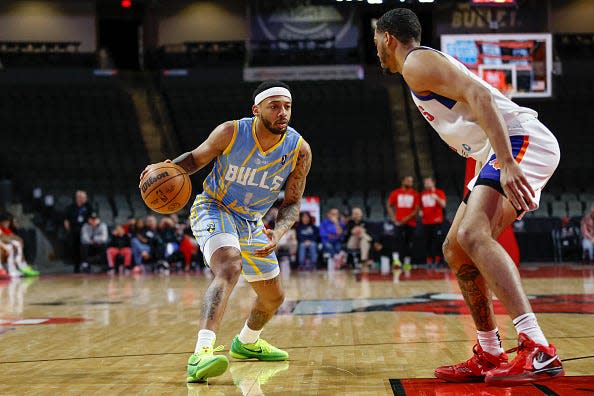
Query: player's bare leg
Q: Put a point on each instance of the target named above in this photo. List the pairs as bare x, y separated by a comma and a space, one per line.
472, 284
225, 265
248, 344
487, 213
488, 353
270, 298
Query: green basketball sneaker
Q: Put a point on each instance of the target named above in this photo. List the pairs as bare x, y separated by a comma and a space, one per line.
28, 271
204, 365
260, 350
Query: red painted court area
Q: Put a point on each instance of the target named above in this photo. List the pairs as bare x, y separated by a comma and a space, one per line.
566, 386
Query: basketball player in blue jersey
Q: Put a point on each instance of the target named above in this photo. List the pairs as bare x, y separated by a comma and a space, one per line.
253, 159
517, 155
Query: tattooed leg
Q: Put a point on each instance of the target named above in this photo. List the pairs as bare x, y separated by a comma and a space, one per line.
487, 214
270, 298
472, 284
226, 267
477, 296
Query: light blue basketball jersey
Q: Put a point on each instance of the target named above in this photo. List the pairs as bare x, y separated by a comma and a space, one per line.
247, 179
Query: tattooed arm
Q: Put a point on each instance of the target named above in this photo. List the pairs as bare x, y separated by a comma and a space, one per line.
213, 146
288, 213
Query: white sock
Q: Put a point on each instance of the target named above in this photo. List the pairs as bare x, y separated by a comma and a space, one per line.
10, 264
19, 261
206, 338
528, 325
490, 341
249, 336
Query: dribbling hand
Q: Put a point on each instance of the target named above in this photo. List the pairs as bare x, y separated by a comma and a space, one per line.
146, 170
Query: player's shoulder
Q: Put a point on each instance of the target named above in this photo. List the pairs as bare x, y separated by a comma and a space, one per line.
420, 65
292, 132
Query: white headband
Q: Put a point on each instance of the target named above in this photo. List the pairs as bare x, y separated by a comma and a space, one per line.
273, 91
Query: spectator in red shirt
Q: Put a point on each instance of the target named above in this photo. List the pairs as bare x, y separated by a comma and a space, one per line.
433, 201
403, 206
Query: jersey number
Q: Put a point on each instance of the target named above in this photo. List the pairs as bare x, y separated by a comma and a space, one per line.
427, 115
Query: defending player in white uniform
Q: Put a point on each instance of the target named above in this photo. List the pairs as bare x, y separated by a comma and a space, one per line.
518, 155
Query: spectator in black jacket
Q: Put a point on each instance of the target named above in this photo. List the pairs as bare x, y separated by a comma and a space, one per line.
357, 237
308, 236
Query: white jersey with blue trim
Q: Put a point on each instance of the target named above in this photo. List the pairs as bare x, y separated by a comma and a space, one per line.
458, 127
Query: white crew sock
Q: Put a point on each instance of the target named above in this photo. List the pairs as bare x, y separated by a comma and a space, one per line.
490, 341
528, 325
249, 336
206, 338
19, 261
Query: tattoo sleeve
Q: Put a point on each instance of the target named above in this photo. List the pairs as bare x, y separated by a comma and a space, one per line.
258, 319
186, 161
211, 303
288, 212
477, 296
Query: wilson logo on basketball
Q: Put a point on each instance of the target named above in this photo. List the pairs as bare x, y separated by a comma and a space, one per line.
151, 180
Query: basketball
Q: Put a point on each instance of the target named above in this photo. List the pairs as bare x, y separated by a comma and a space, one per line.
165, 188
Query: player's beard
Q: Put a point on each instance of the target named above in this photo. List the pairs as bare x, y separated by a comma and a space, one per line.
382, 61
270, 126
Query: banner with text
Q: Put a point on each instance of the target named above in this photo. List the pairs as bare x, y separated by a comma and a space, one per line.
300, 20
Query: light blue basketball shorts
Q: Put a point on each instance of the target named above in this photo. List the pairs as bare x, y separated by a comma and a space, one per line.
215, 226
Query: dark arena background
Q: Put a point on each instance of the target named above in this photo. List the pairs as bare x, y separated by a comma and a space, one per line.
92, 91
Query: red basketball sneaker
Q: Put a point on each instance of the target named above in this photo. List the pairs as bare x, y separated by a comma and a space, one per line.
472, 370
534, 362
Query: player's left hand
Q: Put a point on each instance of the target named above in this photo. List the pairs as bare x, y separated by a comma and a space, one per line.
271, 246
516, 187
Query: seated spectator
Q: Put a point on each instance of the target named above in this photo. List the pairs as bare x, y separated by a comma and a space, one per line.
308, 236
588, 236
171, 235
119, 245
14, 245
357, 238
93, 242
6, 254
331, 235
128, 226
188, 247
146, 244
287, 247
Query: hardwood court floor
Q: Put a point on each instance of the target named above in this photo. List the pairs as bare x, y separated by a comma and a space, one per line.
345, 334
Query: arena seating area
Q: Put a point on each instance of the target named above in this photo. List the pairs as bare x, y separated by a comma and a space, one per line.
66, 137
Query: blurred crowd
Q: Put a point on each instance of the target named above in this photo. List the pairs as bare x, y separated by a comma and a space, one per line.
140, 244
341, 240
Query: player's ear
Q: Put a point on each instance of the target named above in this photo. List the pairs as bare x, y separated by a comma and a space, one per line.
255, 110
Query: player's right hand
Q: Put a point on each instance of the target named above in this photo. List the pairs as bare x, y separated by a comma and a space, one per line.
146, 169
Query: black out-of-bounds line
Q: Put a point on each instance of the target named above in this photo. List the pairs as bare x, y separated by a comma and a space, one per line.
545, 389
397, 387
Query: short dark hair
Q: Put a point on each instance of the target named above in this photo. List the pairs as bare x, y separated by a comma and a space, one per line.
401, 23
269, 84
